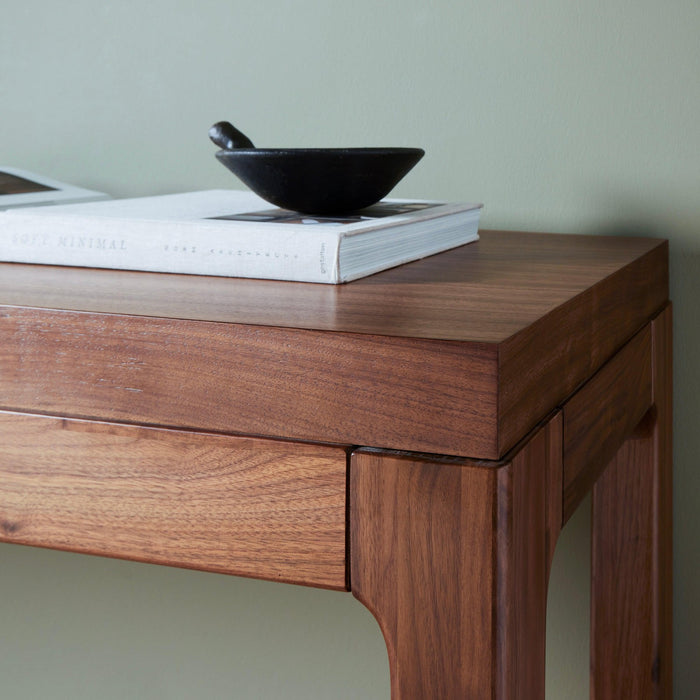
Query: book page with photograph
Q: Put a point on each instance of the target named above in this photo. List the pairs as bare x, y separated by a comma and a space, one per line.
21, 188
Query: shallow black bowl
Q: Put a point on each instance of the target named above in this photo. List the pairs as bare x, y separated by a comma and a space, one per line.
326, 181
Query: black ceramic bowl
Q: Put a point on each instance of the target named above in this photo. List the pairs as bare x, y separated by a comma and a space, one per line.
322, 181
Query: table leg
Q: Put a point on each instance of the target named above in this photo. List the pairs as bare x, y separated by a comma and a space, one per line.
632, 545
452, 557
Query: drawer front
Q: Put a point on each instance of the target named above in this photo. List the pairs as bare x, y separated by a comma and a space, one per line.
245, 506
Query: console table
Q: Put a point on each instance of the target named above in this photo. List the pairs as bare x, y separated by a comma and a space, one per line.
418, 437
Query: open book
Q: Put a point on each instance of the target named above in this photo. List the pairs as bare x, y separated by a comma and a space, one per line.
20, 188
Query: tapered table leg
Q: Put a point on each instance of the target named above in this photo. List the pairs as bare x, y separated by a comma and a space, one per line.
452, 557
631, 558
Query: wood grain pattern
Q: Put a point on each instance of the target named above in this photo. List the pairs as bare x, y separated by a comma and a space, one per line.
461, 354
471, 352
528, 528
302, 385
544, 363
662, 571
631, 612
484, 292
605, 411
423, 561
452, 558
233, 505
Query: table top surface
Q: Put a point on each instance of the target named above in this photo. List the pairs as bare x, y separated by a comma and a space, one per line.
460, 353
484, 292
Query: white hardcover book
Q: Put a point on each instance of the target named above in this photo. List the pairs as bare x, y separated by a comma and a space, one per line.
20, 188
233, 233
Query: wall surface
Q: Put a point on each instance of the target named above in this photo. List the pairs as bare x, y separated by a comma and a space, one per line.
566, 116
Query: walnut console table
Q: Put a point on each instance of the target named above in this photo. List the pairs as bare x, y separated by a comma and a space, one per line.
418, 437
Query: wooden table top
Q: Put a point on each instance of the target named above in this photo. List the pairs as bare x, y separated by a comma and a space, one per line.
483, 292
460, 353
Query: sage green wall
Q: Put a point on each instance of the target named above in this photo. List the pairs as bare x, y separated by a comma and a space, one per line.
559, 115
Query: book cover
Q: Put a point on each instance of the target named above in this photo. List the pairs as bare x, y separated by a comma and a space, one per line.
233, 233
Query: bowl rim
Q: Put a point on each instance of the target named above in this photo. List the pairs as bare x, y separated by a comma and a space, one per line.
362, 150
